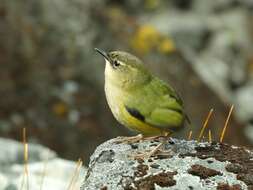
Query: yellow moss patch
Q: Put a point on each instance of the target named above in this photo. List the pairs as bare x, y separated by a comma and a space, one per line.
166, 46
152, 4
145, 39
148, 38
60, 108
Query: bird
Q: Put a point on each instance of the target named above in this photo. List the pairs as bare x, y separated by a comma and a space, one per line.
138, 99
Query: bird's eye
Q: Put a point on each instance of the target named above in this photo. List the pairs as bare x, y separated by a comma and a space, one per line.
116, 63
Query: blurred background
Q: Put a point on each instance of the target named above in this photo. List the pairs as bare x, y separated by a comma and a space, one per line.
51, 80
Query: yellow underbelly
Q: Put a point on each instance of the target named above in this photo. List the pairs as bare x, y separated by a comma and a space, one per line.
138, 125
116, 103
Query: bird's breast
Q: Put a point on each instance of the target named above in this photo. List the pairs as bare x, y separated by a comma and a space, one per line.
114, 97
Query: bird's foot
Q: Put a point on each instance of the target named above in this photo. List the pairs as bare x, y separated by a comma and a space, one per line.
152, 138
129, 140
137, 138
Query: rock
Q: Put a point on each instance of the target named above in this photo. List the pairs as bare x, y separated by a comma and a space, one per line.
12, 152
243, 98
188, 29
58, 172
182, 165
216, 45
228, 48
249, 132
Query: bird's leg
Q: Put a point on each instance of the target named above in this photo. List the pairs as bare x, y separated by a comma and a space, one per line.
153, 137
129, 140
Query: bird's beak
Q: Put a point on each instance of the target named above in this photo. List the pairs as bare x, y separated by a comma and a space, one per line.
103, 53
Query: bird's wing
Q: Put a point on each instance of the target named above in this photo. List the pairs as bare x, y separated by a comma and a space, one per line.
165, 112
167, 116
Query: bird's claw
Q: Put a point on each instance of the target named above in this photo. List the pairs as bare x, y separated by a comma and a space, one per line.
129, 140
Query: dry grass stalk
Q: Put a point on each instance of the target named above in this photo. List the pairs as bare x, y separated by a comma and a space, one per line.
190, 135
75, 174
25, 177
226, 124
205, 125
210, 136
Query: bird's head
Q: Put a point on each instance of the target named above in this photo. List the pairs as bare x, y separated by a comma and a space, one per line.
124, 69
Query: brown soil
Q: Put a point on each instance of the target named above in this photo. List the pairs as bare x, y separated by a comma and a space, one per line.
202, 171
223, 186
163, 179
141, 170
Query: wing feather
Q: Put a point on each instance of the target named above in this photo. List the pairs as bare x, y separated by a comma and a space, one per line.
160, 107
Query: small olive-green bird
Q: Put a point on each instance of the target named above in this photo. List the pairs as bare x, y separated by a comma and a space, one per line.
139, 100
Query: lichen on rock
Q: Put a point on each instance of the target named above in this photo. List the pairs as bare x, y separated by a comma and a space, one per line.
181, 165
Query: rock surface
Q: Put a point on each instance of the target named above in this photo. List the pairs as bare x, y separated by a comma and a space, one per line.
58, 172
183, 165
